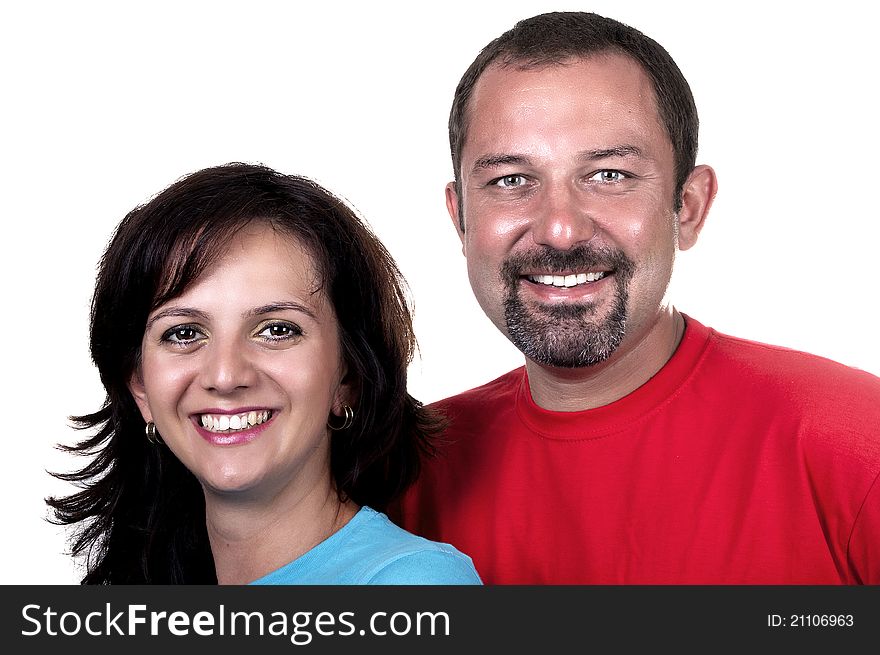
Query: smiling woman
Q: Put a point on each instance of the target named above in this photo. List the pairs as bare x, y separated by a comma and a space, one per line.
253, 338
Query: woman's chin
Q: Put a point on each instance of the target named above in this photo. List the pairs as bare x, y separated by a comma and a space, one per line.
231, 485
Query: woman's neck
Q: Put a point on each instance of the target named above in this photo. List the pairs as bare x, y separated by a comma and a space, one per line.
252, 537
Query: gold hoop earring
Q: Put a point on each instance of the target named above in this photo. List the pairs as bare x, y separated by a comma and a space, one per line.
346, 423
152, 435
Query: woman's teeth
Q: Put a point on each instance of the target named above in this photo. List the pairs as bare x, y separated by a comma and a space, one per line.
229, 422
566, 280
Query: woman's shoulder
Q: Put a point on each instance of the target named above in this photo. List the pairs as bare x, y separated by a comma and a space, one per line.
397, 557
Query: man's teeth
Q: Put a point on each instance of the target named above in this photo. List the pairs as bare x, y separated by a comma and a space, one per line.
227, 422
566, 280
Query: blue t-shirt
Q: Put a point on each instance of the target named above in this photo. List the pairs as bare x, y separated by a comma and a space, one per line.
370, 549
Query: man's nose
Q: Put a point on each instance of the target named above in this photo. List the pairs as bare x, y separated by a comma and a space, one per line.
562, 218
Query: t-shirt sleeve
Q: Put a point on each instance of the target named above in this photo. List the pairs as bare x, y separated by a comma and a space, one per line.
864, 544
428, 567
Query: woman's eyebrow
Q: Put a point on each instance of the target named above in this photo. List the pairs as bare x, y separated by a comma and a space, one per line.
281, 306
193, 313
184, 312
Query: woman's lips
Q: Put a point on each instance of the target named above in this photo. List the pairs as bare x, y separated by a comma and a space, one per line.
232, 428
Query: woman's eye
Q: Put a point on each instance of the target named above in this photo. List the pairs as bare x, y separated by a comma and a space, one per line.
608, 176
182, 334
509, 181
279, 331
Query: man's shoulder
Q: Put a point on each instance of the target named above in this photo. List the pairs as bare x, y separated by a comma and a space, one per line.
835, 395
779, 362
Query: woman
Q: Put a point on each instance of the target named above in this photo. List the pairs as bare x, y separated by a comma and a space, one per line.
253, 337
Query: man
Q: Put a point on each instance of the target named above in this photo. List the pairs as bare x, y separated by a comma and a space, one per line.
636, 445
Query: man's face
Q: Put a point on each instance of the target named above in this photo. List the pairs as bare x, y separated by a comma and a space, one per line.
567, 182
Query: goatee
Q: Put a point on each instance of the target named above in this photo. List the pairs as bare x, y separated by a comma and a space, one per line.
567, 335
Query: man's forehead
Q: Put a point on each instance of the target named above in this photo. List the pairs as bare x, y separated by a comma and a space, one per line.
503, 74
605, 86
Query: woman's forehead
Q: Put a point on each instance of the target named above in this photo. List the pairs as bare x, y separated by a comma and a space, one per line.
259, 254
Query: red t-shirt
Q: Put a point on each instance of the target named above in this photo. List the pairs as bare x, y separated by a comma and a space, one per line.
737, 463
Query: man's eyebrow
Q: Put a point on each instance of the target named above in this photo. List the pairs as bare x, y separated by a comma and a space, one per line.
614, 151
493, 161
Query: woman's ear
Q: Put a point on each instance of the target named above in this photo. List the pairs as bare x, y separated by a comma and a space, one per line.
139, 393
345, 395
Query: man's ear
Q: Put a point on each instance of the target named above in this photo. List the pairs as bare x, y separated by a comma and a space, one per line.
696, 199
452, 206
139, 393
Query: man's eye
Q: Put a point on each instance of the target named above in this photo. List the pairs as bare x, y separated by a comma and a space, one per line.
608, 176
279, 331
182, 334
510, 181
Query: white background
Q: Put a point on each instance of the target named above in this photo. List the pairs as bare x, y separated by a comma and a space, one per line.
104, 104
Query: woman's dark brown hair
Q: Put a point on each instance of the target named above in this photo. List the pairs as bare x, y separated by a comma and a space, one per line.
140, 514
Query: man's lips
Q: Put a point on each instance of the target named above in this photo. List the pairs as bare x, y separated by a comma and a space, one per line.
566, 280
545, 270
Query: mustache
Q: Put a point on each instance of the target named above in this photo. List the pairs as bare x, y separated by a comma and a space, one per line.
579, 257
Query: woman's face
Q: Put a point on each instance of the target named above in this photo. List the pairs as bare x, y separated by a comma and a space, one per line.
241, 371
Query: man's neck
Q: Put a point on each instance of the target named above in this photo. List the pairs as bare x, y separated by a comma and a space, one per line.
578, 389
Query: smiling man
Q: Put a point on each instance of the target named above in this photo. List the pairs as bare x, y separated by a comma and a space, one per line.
636, 445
